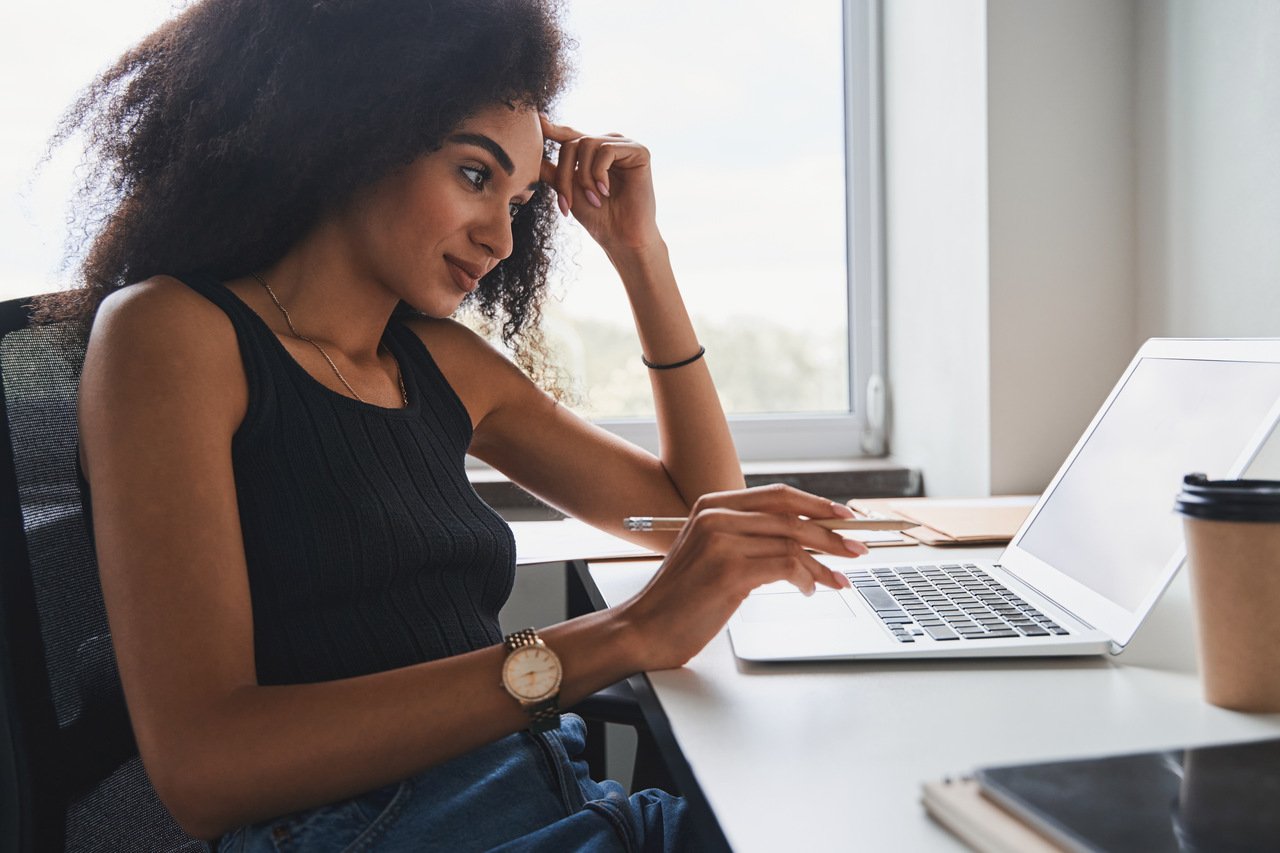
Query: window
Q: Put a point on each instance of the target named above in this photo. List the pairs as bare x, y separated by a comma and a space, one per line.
763, 123
51, 51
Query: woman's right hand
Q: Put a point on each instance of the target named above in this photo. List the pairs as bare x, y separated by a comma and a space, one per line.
734, 542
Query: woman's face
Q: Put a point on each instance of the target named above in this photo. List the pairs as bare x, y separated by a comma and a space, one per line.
431, 231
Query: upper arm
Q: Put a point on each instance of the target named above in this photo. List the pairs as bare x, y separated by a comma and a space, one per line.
541, 445
161, 396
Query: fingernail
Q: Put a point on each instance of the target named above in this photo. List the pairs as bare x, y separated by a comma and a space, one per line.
593, 198
842, 510
808, 593
854, 546
564, 204
843, 580
604, 191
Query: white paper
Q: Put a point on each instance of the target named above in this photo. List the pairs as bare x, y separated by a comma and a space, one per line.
569, 539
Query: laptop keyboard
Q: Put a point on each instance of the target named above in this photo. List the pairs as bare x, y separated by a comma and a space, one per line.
948, 602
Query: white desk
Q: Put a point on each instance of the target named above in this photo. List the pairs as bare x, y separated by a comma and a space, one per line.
820, 757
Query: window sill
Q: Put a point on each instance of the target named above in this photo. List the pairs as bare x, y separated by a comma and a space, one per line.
836, 479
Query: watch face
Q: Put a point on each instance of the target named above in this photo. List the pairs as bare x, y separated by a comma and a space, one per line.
531, 673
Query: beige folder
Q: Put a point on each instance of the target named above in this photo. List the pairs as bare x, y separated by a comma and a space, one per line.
955, 521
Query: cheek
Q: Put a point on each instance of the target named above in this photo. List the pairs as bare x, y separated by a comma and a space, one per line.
414, 226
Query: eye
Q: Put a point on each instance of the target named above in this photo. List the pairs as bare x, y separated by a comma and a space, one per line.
477, 176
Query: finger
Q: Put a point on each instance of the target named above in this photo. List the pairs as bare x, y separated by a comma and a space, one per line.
547, 174
605, 154
557, 132
564, 173
800, 578
754, 547
800, 570
778, 498
791, 528
854, 545
588, 149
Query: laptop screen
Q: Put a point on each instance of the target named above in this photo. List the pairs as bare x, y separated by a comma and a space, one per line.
1171, 418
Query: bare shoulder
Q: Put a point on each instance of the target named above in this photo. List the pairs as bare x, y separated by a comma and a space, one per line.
159, 343
157, 309
447, 338
482, 377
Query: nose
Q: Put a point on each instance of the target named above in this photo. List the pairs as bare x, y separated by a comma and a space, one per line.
493, 232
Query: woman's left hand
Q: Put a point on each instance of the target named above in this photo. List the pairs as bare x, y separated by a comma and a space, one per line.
607, 184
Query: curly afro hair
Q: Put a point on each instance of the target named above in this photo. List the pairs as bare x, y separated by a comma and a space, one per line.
226, 135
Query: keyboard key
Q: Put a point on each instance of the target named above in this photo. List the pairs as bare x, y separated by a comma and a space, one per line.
878, 599
941, 632
1032, 630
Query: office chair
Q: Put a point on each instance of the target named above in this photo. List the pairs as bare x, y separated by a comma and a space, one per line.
76, 782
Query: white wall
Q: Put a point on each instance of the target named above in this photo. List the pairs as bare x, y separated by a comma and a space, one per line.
1061, 245
1208, 128
1009, 231
935, 187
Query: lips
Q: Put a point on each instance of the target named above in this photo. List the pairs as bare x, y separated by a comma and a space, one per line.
466, 276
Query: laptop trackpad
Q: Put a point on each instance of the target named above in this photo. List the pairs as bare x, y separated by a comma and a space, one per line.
794, 607
788, 626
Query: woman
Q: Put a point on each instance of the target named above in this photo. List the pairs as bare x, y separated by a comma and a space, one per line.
302, 587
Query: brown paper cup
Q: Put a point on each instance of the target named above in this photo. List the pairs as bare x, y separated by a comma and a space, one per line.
1235, 581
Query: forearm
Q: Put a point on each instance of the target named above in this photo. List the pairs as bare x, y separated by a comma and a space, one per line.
696, 447
267, 751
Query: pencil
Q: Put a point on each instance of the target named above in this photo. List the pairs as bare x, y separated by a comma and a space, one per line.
647, 523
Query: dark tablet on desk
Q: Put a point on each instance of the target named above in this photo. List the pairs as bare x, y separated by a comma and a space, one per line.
1223, 799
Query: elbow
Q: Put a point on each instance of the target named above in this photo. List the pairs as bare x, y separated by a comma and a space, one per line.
190, 803
191, 793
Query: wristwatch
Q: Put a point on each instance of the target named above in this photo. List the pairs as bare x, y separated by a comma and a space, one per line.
531, 674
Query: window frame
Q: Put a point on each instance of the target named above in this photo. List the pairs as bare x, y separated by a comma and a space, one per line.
859, 432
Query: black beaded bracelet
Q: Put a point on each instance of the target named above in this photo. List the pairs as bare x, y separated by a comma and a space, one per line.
649, 364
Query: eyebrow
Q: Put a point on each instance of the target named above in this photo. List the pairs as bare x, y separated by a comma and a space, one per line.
481, 141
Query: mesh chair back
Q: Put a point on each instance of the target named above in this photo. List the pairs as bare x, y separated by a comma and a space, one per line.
80, 783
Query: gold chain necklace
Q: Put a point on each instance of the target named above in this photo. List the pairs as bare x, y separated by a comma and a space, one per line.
404, 395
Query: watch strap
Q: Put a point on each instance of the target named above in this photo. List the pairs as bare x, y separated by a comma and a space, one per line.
544, 716
521, 638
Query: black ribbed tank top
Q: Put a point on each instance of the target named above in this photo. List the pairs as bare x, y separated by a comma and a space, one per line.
367, 547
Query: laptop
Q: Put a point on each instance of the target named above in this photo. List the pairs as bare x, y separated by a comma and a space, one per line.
1093, 556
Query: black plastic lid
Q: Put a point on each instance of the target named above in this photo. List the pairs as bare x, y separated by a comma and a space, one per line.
1229, 500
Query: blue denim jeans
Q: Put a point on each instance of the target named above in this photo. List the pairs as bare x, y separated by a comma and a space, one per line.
522, 793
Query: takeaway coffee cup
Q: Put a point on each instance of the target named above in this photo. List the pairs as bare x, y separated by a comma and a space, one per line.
1232, 529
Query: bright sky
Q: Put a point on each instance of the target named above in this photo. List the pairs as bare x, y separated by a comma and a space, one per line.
740, 103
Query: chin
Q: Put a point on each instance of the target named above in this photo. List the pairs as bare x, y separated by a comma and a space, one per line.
438, 309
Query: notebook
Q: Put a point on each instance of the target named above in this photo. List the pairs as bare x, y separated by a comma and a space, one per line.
1093, 555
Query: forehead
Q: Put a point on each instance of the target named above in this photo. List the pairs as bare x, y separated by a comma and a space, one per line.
517, 131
